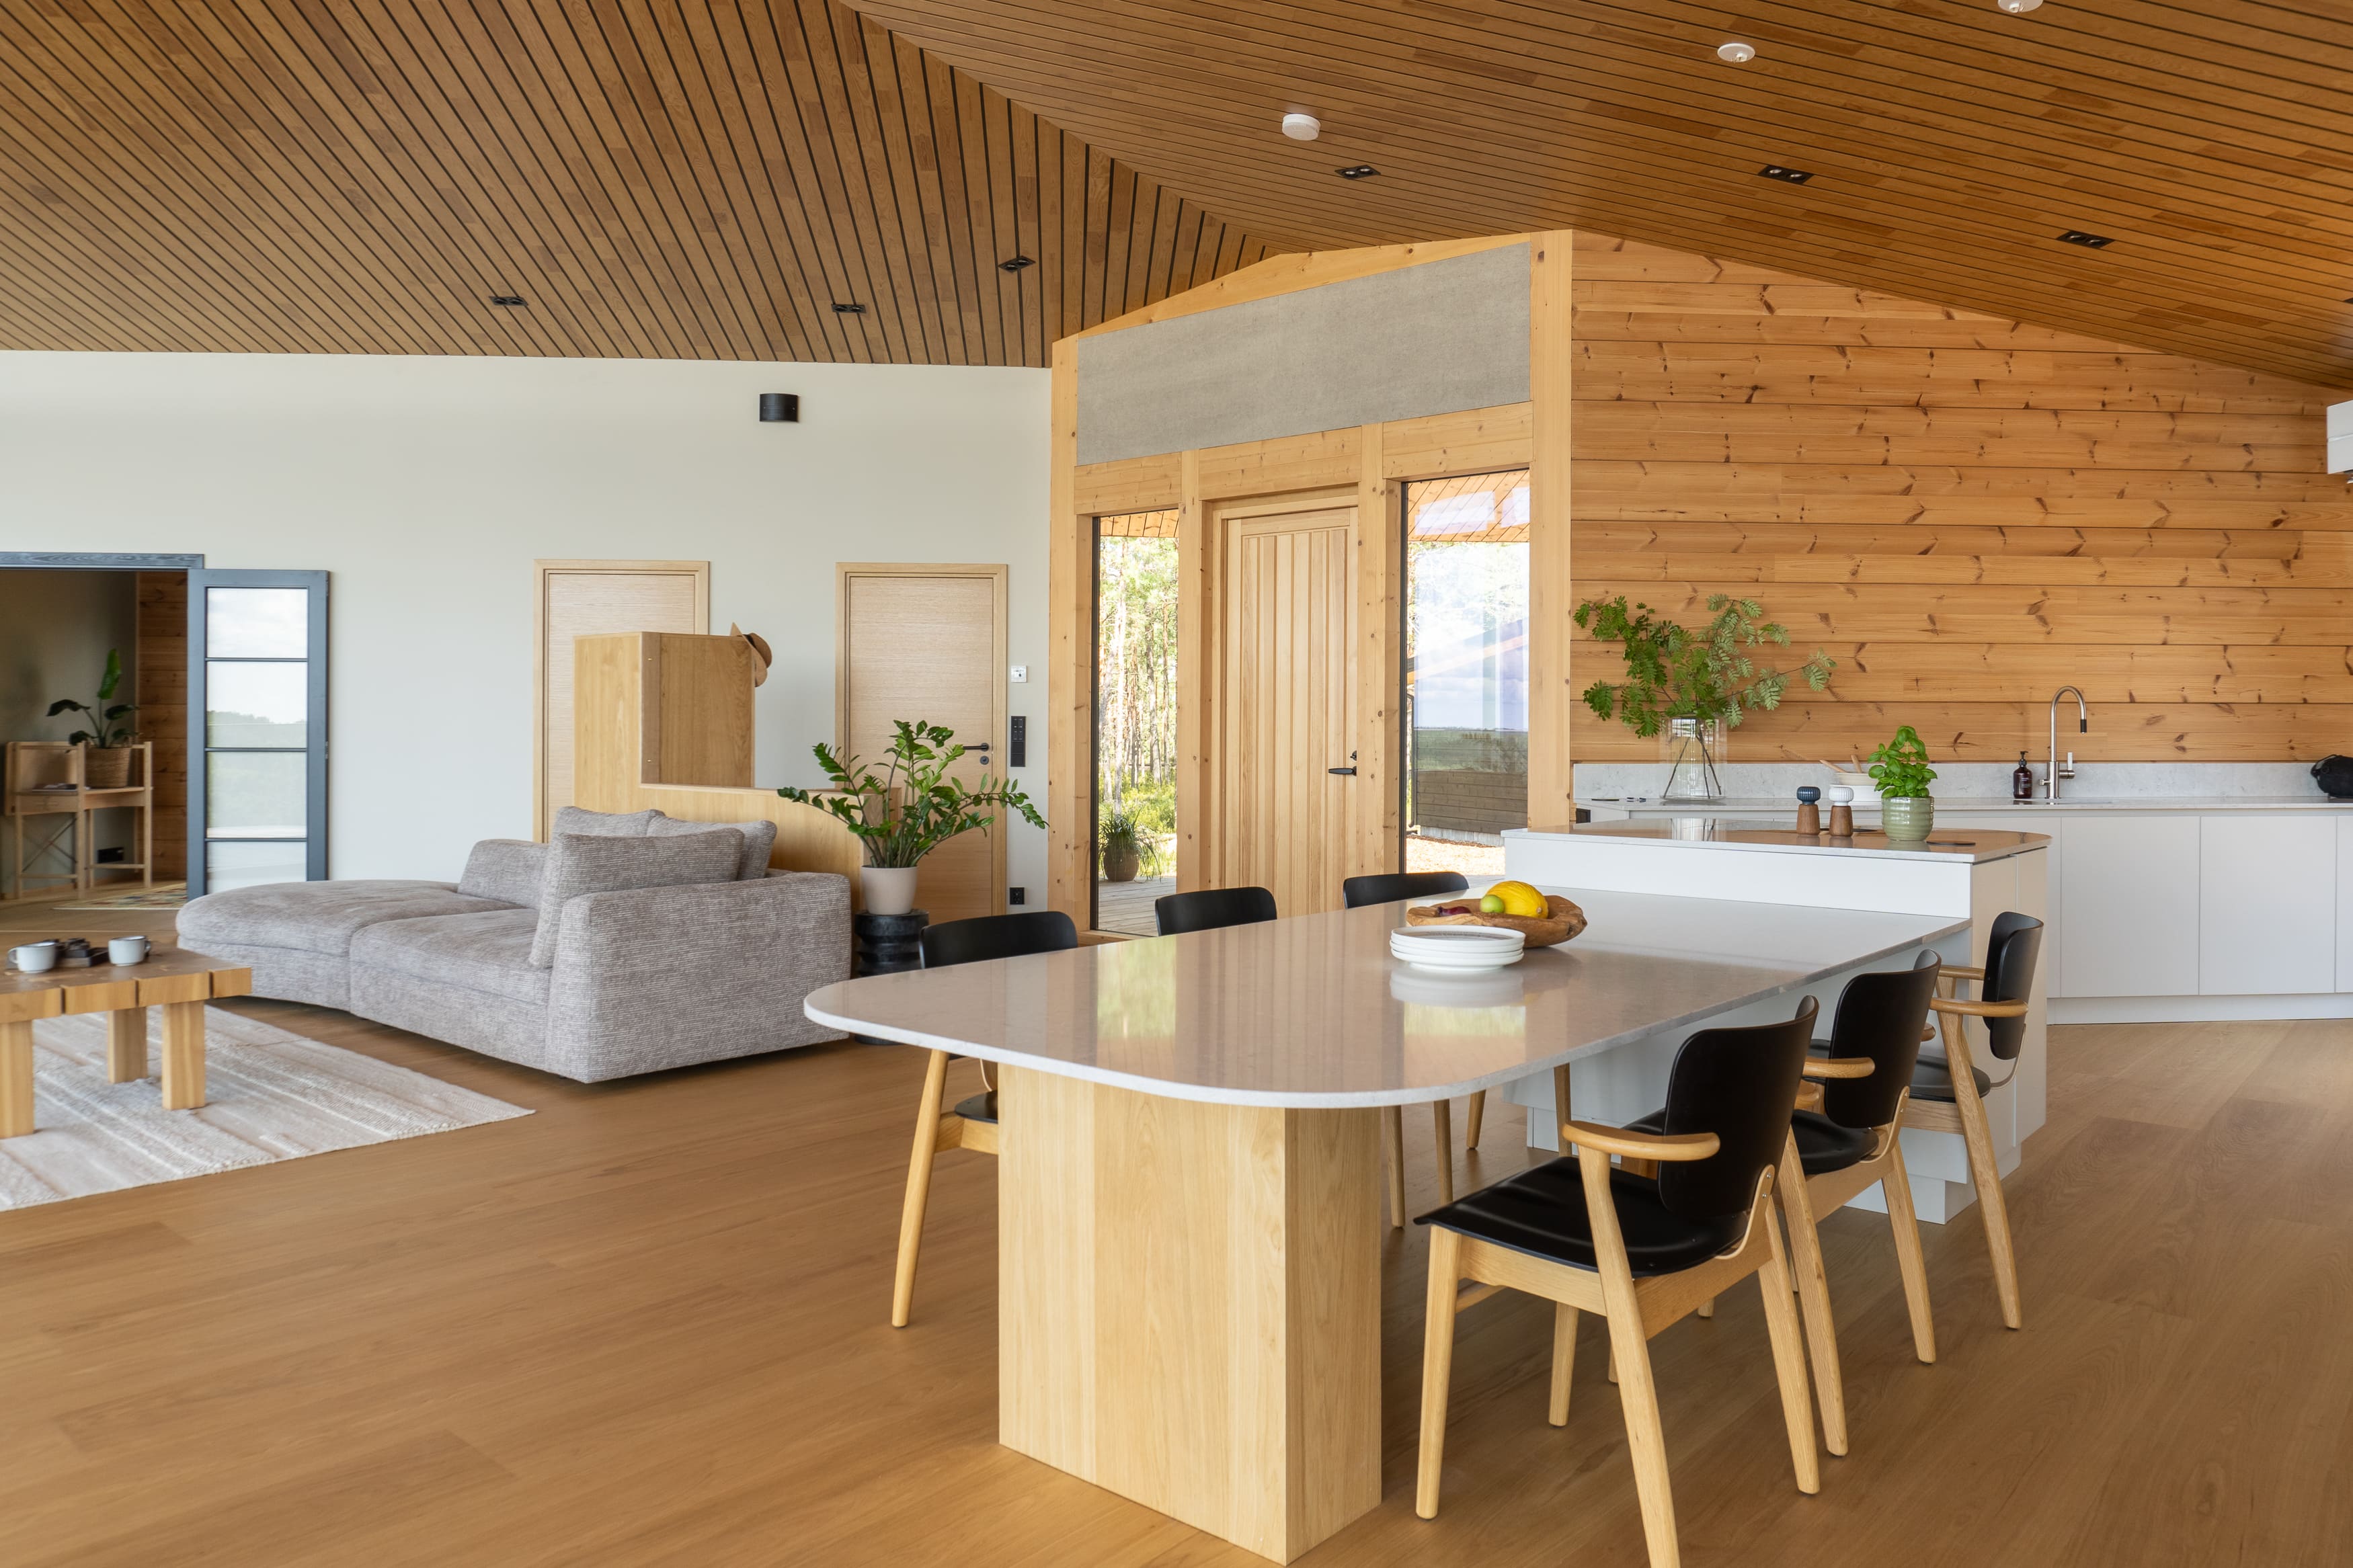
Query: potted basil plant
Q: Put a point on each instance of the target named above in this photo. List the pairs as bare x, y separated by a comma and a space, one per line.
1900, 768
909, 809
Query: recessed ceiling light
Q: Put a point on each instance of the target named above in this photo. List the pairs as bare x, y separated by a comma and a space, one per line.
1778, 171
1016, 264
1736, 53
1302, 127
839, 309
507, 300
2018, 8
2078, 236
1356, 172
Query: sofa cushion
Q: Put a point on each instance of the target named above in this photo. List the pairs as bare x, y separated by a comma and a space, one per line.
506, 869
315, 917
489, 953
601, 824
759, 838
581, 863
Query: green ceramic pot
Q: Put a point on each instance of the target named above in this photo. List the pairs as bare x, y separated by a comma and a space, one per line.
1905, 817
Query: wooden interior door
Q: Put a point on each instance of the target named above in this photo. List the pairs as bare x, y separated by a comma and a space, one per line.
927, 643
1284, 711
595, 598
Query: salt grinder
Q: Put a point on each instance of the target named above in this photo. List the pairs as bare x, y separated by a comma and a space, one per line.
1842, 813
1810, 815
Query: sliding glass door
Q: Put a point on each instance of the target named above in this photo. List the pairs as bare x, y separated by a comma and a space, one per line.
258, 699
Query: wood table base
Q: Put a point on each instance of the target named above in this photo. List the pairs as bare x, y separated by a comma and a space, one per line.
183, 1054
15, 1077
126, 1045
1190, 1304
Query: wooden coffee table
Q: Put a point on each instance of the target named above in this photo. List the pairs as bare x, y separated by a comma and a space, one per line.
173, 978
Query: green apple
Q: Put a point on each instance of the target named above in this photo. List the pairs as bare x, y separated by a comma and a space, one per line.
1491, 905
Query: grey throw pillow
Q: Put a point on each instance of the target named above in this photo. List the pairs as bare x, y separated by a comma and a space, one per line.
759, 838
603, 824
506, 869
581, 863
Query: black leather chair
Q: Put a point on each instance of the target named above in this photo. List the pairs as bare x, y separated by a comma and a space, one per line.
1642, 1252
1390, 887
1210, 908
973, 1123
1948, 1091
1843, 1142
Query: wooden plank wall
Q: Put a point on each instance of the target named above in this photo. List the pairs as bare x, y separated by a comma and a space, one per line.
1966, 512
160, 679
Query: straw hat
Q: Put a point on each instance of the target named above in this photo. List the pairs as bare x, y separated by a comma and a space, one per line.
761, 654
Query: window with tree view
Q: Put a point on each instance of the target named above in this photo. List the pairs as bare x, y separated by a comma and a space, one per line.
1466, 670
1136, 717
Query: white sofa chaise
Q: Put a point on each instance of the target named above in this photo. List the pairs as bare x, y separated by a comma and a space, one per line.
711, 962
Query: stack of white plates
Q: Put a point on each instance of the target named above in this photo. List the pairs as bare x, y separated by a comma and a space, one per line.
1458, 947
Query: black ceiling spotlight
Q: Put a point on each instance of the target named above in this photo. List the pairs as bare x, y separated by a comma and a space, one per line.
2078, 236
507, 300
1791, 176
1016, 264
1356, 172
840, 308
780, 408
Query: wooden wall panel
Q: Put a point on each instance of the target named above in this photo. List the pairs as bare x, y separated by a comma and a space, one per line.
1965, 513
159, 684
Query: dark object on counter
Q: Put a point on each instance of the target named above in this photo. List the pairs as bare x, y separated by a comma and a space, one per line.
2022, 780
1810, 815
887, 943
2336, 776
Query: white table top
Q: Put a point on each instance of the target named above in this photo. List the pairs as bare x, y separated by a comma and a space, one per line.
1312, 1011
1963, 844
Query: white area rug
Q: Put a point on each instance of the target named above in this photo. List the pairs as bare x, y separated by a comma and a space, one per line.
270, 1096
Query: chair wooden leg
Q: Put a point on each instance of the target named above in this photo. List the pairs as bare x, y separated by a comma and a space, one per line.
1976, 1135
1789, 1364
1637, 1393
919, 1187
1564, 1361
1905, 1222
1437, 1364
1475, 1119
1441, 1117
1814, 1295
1393, 1135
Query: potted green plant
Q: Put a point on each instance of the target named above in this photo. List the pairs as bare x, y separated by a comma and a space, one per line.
1690, 687
910, 809
107, 763
1900, 768
1126, 847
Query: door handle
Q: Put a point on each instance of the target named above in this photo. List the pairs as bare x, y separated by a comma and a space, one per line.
1350, 773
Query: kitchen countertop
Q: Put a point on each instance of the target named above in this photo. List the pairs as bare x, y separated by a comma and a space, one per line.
1755, 806
1972, 846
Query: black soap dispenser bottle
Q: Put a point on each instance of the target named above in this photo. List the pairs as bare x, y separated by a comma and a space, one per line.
2021, 781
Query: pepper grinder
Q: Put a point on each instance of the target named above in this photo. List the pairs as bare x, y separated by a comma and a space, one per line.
1841, 812
1810, 815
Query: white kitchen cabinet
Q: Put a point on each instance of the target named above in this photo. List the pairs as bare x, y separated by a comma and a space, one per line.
2267, 905
2344, 903
2133, 905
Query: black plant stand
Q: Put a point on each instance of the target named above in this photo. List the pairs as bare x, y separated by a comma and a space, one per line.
888, 943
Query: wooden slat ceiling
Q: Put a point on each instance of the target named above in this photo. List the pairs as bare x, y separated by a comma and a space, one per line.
1950, 143
687, 179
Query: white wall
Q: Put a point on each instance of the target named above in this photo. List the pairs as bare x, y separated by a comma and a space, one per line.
428, 486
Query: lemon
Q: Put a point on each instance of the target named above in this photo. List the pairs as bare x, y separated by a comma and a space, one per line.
1521, 900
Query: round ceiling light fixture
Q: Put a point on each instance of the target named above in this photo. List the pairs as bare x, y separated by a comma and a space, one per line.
1306, 127
2018, 8
1736, 53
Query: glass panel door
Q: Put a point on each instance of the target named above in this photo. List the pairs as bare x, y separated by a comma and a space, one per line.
258, 695
1136, 719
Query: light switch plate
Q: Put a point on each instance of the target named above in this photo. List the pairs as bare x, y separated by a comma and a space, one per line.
1020, 673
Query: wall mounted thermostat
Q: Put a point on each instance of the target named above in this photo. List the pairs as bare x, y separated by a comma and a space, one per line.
1017, 745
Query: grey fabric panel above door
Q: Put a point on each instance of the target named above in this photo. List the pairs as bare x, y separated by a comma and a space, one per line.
1431, 338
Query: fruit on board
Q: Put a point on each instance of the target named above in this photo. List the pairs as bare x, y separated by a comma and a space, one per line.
1491, 905
1520, 899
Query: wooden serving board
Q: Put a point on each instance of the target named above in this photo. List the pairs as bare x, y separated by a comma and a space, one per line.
1562, 920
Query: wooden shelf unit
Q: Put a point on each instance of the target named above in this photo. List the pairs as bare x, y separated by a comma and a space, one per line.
29, 789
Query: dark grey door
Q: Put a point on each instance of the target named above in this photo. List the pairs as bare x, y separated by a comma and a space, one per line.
258, 728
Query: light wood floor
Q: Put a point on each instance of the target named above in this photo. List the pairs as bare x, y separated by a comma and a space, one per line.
646, 1326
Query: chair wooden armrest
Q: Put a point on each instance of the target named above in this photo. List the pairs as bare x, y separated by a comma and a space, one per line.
1810, 1097
1962, 972
1640, 1145
1978, 1009
1839, 1066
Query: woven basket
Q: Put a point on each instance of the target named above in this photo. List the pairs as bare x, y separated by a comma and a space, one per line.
1562, 920
105, 767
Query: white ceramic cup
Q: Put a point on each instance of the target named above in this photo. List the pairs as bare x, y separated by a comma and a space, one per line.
35, 957
126, 950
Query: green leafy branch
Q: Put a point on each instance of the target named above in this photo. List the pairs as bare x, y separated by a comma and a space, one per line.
912, 807
1673, 672
107, 731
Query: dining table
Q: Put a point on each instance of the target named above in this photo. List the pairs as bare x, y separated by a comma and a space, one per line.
1189, 1237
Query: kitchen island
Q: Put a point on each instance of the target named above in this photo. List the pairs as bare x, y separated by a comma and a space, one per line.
1969, 874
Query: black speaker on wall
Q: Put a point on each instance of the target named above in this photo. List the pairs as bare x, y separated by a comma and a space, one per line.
780, 408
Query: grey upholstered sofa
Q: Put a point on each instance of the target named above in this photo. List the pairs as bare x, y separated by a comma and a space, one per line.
516, 960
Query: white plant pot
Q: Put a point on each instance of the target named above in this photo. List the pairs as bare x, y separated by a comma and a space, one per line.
889, 890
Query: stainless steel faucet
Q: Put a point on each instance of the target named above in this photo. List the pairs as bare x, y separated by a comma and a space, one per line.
2083, 727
